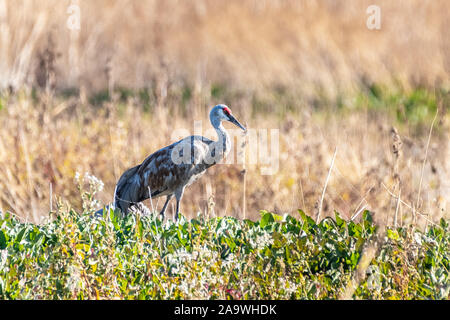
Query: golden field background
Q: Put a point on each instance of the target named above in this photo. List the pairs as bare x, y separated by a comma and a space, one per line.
101, 99
247, 44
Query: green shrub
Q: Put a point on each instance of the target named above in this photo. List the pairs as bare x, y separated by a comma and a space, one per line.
77, 256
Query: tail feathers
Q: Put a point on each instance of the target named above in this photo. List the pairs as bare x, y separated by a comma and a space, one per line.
128, 190
138, 207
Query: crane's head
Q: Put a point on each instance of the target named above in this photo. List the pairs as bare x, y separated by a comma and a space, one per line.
222, 113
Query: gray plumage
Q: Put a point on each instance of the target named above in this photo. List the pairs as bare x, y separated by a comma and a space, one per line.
168, 171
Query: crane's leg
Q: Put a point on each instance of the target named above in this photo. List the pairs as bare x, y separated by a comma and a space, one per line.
178, 195
165, 206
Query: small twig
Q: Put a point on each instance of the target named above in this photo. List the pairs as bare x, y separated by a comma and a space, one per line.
51, 196
359, 211
397, 208
150, 196
301, 192
425, 160
325, 187
115, 195
408, 205
244, 198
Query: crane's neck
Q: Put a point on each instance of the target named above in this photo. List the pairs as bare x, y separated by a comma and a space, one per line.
222, 145
224, 138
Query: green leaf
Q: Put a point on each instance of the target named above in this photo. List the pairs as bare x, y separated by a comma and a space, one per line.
393, 235
278, 240
3, 240
250, 223
367, 216
339, 221
20, 235
230, 243
277, 217
443, 224
140, 228
307, 219
354, 258
266, 220
287, 252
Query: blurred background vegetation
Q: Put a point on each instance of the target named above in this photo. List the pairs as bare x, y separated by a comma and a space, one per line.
102, 98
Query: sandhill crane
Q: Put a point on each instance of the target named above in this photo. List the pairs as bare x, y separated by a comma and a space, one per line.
170, 170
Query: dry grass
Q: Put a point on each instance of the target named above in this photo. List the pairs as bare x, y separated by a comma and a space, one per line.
47, 144
248, 44
280, 60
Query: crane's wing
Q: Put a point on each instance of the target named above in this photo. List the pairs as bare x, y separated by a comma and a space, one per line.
160, 174
173, 166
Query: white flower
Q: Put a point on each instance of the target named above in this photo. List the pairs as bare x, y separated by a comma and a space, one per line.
94, 182
262, 240
3, 256
429, 240
289, 286
230, 262
418, 238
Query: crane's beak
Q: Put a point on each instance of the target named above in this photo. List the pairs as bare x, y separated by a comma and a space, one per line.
233, 120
